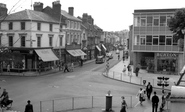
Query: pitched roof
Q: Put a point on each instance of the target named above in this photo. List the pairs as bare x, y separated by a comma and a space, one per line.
30, 15
65, 14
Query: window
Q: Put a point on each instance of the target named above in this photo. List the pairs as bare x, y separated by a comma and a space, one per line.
38, 26
155, 40
161, 40
78, 39
168, 40
61, 40
67, 39
83, 36
162, 20
136, 39
142, 40
68, 24
50, 27
38, 41
136, 21
11, 41
143, 21
149, 20
23, 40
175, 40
168, 18
156, 21
148, 40
10, 26
71, 25
75, 25
51, 41
22, 25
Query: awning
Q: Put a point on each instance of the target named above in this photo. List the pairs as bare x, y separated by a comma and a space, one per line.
80, 52
46, 54
98, 48
73, 53
104, 47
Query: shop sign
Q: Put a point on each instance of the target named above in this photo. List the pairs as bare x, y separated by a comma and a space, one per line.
173, 55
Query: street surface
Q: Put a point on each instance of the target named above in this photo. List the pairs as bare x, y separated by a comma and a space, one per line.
84, 81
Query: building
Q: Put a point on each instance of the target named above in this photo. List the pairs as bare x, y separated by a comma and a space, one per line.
153, 45
30, 36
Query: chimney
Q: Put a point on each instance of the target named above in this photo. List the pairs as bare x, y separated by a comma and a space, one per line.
84, 17
38, 6
57, 9
3, 9
70, 10
89, 19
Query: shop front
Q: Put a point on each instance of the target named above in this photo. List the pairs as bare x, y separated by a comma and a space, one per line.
167, 63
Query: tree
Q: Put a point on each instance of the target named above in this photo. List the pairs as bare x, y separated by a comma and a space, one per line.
177, 23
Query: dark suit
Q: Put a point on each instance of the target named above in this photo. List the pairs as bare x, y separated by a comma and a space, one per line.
155, 101
29, 108
149, 90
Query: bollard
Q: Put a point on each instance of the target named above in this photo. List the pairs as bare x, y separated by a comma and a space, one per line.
108, 101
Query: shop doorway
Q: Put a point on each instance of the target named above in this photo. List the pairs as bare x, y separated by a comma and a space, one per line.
166, 65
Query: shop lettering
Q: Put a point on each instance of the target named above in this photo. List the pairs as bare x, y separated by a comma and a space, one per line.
166, 55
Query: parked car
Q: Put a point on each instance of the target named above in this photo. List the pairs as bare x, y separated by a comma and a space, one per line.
100, 59
109, 55
117, 51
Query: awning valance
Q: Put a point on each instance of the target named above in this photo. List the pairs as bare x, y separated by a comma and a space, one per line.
80, 52
98, 48
46, 54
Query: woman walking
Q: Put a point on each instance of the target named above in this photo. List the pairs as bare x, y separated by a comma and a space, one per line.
123, 105
141, 95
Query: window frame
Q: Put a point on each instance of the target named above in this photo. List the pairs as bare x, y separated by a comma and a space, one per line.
162, 43
142, 40
23, 26
51, 27
145, 22
50, 41
39, 26
38, 41
155, 37
61, 40
149, 17
168, 37
10, 40
163, 23
10, 26
23, 41
148, 42
156, 17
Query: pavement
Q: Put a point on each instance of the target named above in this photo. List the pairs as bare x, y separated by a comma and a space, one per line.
115, 73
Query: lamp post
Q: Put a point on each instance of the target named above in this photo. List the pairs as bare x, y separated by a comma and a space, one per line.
183, 32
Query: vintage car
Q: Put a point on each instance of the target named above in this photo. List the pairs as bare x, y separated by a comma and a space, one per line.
109, 55
100, 59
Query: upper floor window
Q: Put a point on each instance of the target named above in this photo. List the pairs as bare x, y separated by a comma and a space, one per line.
162, 40
78, 39
156, 21
136, 21
22, 25
143, 21
67, 39
39, 26
155, 40
50, 27
149, 20
142, 40
148, 40
50, 41
10, 26
68, 24
83, 36
175, 40
61, 40
71, 25
168, 18
38, 40
10, 41
168, 40
23, 41
162, 20
75, 25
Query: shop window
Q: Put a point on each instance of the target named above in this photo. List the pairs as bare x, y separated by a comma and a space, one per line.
155, 40
161, 40
149, 20
143, 21
162, 20
166, 65
148, 40
168, 40
142, 40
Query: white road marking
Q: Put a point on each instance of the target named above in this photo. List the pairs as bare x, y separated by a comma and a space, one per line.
137, 104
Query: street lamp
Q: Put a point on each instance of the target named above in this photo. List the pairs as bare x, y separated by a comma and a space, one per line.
183, 32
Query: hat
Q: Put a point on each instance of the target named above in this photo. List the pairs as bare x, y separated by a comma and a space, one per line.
123, 97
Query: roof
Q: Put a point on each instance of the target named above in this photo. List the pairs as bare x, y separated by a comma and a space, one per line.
30, 15
153, 10
65, 14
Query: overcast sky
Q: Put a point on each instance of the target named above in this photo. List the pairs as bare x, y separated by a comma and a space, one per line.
110, 15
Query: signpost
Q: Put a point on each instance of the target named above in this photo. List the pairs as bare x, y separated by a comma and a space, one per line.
163, 81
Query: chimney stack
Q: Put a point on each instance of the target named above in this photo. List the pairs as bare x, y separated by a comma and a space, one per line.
38, 6
3, 9
56, 9
84, 17
70, 10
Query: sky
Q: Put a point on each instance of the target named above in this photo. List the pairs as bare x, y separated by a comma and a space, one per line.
110, 15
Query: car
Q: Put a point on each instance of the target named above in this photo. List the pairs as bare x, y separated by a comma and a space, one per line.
100, 59
109, 55
117, 51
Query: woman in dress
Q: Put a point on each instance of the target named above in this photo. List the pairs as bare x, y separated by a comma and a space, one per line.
123, 105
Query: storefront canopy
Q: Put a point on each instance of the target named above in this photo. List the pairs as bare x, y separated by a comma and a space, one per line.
73, 53
98, 48
46, 55
80, 52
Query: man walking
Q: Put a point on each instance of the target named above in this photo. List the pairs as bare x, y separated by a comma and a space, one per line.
149, 90
29, 107
155, 101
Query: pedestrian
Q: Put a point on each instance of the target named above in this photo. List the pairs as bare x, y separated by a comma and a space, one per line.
149, 90
81, 61
8, 68
137, 70
72, 66
123, 58
163, 98
129, 70
155, 101
141, 95
29, 107
123, 105
124, 69
118, 56
66, 68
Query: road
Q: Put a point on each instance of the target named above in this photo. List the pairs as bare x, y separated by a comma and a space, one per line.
84, 81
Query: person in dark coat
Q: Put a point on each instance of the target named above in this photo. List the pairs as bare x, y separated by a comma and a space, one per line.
123, 105
66, 67
137, 70
4, 97
149, 90
29, 107
155, 101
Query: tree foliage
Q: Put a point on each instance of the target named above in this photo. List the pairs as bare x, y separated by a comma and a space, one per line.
177, 23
